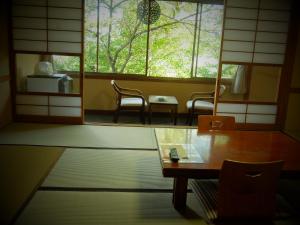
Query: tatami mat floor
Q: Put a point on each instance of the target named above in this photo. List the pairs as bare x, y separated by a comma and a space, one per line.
97, 186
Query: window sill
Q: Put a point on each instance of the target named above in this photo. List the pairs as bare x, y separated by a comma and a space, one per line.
134, 77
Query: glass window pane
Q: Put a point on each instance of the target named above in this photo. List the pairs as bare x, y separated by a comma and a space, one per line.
209, 38
122, 38
171, 40
90, 38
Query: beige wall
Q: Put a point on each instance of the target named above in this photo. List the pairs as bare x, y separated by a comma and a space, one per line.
5, 99
99, 95
264, 84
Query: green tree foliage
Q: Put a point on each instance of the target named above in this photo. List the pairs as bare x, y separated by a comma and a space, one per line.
172, 46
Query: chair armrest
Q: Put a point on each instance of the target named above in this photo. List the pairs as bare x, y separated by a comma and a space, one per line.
131, 90
202, 94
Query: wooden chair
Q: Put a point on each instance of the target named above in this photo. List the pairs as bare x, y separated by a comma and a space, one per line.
201, 103
207, 122
244, 191
129, 99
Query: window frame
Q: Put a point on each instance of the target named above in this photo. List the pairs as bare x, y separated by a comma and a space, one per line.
126, 76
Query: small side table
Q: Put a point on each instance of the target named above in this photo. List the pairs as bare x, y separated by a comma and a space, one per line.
169, 102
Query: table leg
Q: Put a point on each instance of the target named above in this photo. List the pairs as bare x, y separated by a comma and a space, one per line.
175, 115
180, 192
149, 114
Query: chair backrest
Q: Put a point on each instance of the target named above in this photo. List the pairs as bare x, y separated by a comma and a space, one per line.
248, 190
209, 122
222, 89
115, 86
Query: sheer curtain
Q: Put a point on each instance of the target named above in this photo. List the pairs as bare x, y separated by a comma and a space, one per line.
239, 84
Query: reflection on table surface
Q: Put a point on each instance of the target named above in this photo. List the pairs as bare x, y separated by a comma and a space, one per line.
247, 146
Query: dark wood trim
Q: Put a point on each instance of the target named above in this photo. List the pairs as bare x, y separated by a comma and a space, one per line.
46, 53
43, 29
97, 40
294, 90
47, 40
49, 105
38, 17
4, 78
219, 75
253, 64
242, 7
263, 42
82, 75
47, 94
12, 58
132, 77
287, 70
248, 102
49, 119
253, 52
45, 6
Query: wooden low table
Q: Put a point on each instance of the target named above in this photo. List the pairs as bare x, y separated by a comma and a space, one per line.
168, 102
205, 152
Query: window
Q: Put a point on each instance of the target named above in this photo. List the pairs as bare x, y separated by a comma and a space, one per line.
183, 40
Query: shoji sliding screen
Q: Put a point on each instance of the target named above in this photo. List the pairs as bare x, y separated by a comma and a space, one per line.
40, 31
255, 36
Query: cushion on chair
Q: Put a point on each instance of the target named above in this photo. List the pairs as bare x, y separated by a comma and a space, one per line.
132, 102
200, 105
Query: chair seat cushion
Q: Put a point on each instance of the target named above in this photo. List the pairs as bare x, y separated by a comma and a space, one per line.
200, 105
132, 102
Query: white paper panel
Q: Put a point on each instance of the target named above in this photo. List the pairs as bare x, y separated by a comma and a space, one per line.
275, 4
73, 25
231, 108
29, 11
65, 101
272, 26
241, 13
237, 56
68, 36
32, 99
240, 24
30, 34
260, 119
29, 23
270, 48
30, 45
239, 35
238, 46
243, 3
65, 3
64, 47
268, 58
65, 111
271, 37
30, 2
262, 109
239, 118
274, 15
32, 110
64, 13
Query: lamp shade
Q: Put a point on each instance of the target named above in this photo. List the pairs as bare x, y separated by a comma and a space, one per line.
147, 15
